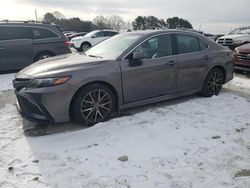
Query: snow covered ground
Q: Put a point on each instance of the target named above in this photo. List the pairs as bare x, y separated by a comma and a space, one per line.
191, 142
6, 81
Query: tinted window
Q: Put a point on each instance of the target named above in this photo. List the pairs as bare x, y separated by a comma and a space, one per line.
40, 33
203, 45
109, 33
99, 34
159, 46
11, 33
187, 43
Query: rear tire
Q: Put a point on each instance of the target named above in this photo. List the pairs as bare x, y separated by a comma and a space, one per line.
43, 55
213, 83
92, 104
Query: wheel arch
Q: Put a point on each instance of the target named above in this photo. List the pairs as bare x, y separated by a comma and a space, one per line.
221, 68
87, 42
110, 86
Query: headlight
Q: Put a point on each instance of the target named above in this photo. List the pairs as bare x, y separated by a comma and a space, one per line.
47, 82
236, 51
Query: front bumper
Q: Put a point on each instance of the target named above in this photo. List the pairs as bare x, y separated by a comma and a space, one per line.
32, 110
48, 104
242, 65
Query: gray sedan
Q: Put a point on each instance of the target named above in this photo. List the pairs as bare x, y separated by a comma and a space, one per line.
127, 70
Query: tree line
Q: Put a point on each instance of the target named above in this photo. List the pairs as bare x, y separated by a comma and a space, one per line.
115, 22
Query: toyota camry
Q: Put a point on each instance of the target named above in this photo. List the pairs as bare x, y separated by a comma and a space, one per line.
128, 70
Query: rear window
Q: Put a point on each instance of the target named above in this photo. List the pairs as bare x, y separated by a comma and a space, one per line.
203, 45
109, 33
14, 33
40, 33
187, 43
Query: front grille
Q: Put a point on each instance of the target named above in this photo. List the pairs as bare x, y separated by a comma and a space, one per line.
244, 57
225, 42
20, 83
28, 106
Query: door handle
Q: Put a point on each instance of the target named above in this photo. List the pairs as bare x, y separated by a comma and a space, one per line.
205, 57
171, 63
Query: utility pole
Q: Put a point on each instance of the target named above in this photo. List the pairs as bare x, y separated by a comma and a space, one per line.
36, 15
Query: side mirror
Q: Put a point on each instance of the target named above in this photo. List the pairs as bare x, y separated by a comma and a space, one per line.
136, 59
138, 56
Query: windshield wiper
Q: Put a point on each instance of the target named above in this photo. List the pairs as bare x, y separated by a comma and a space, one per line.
95, 56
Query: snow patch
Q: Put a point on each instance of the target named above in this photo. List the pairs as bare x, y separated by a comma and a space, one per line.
6, 81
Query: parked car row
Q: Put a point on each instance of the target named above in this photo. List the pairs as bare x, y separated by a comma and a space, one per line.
25, 42
22, 43
82, 43
238, 40
242, 58
235, 38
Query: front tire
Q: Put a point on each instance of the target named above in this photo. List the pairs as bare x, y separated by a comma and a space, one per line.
92, 104
213, 83
85, 46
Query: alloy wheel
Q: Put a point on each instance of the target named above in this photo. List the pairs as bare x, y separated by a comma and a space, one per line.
96, 105
214, 83
85, 46
44, 57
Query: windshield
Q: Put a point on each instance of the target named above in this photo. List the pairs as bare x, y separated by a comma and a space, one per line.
114, 46
240, 31
90, 34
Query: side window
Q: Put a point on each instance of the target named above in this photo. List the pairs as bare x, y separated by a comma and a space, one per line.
99, 34
187, 43
14, 33
40, 33
156, 47
109, 33
203, 45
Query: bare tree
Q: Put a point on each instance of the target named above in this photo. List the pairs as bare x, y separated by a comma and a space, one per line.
116, 22
101, 22
111, 22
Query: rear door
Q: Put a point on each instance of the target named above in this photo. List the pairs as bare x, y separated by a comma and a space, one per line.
15, 47
192, 58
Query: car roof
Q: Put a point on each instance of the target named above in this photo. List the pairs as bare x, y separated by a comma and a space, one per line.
107, 30
27, 23
148, 33
164, 31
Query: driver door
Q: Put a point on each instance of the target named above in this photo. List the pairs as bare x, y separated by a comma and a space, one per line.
154, 74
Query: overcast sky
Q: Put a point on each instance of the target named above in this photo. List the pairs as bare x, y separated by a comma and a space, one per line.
214, 16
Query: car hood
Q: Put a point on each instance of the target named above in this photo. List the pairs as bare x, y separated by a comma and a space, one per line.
236, 36
244, 48
58, 64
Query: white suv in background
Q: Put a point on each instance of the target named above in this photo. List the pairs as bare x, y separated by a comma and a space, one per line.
94, 37
236, 37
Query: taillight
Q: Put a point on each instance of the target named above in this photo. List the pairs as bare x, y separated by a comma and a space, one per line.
67, 43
